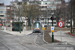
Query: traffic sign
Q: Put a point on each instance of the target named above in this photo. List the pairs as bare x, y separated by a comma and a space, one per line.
60, 24
52, 29
43, 28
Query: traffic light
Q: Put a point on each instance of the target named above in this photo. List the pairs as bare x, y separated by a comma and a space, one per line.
52, 18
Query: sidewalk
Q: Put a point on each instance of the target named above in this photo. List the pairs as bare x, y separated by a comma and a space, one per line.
62, 36
18, 33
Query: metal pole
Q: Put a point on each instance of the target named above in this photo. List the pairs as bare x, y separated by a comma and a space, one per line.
30, 18
61, 34
19, 22
30, 23
71, 18
46, 18
52, 32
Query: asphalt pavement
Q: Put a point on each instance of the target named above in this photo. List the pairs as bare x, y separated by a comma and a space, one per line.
3, 47
9, 42
23, 42
33, 41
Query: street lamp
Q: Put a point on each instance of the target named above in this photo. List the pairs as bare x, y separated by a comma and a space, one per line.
29, 19
71, 18
52, 32
52, 18
19, 21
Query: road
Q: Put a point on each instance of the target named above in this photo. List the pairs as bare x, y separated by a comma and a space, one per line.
33, 41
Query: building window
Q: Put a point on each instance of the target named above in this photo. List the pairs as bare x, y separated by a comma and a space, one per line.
49, 18
2, 7
44, 7
1, 11
8, 19
8, 11
54, 22
4, 11
1, 15
8, 7
8, 15
62, 18
67, 22
45, 3
42, 18
19, 3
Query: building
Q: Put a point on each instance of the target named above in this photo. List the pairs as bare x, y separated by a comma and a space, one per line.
16, 10
2, 14
5, 14
49, 7
8, 14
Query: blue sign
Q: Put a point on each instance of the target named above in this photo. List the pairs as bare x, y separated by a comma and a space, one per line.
52, 28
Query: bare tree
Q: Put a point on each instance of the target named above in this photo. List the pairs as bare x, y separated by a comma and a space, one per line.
72, 5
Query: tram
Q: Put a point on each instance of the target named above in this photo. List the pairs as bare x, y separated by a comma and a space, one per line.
37, 27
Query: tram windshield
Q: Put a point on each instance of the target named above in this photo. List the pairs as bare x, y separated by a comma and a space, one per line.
37, 25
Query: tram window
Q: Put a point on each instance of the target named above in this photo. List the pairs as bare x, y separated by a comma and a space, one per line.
37, 25
54, 22
42, 18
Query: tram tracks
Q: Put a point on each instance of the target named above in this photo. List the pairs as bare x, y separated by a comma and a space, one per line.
39, 39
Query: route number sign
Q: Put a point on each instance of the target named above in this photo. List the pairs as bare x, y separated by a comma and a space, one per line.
52, 28
60, 24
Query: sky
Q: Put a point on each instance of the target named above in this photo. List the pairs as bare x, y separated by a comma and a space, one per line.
8, 1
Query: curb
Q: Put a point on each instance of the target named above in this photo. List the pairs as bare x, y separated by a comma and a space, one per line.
43, 38
70, 34
16, 33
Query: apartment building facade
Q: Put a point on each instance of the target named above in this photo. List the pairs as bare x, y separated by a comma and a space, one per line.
2, 14
9, 14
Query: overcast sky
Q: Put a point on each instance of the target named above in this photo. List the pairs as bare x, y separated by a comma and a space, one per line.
8, 1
